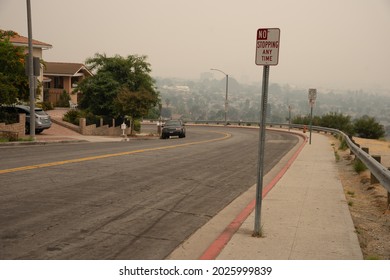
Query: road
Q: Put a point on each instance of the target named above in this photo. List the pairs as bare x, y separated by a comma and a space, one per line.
124, 200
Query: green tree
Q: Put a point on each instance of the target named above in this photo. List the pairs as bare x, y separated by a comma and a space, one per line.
121, 86
368, 127
98, 94
13, 80
134, 104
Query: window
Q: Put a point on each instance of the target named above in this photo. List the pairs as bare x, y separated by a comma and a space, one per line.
74, 81
58, 82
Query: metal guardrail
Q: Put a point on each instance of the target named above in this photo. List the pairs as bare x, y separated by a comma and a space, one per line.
381, 173
378, 170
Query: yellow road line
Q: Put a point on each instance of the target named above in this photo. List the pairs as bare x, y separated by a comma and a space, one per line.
56, 163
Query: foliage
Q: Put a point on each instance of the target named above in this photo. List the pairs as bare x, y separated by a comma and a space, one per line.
153, 113
359, 166
121, 86
72, 116
137, 125
343, 145
13, 80
46, 105
316, 121
90, 118
134, 104
98, 94
337, 156
368, 127
365, 127
64, 99
337, 121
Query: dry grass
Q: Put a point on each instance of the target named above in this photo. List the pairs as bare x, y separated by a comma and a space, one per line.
367, 202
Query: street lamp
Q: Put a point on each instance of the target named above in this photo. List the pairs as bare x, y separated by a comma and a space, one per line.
227, 90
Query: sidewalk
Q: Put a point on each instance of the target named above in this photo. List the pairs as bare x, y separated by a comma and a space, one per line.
304, 217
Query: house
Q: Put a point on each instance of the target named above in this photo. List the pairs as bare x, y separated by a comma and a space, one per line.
62, 76
38, 47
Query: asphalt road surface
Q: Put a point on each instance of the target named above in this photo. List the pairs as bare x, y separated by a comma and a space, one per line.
124, 200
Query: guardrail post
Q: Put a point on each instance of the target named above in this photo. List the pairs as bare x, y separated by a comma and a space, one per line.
374, 180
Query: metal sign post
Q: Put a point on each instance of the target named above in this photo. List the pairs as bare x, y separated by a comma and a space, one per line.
312, 101
260, 165
267, 53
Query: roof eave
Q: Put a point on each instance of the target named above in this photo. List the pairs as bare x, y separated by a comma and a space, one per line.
43, 47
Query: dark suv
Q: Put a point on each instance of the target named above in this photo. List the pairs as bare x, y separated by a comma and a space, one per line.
42, 120
173, 128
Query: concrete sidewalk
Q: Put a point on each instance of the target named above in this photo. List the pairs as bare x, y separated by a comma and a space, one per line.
304, 217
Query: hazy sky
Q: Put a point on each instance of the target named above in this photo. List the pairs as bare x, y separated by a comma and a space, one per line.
327, 43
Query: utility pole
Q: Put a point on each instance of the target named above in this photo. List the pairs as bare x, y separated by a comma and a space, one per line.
31, 77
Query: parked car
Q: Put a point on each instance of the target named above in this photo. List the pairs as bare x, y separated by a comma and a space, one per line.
42, 120
173, 128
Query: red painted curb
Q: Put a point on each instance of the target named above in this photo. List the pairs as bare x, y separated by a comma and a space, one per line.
217, 246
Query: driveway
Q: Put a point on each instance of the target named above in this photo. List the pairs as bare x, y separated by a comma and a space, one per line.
56, 131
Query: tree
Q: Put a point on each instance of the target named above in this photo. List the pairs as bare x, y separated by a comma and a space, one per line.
134, 104
121, 86
98, 94
368, 127
13, 80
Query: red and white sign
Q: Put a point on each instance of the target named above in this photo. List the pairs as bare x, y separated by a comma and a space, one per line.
267, 46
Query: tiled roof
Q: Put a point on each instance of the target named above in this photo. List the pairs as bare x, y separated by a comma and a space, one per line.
63, 68
23, 41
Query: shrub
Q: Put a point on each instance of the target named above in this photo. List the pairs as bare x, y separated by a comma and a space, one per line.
72, 116
337, 156
359, 166
91, 118
368, 127
137, 125
46, 105
343, 145
64, 99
